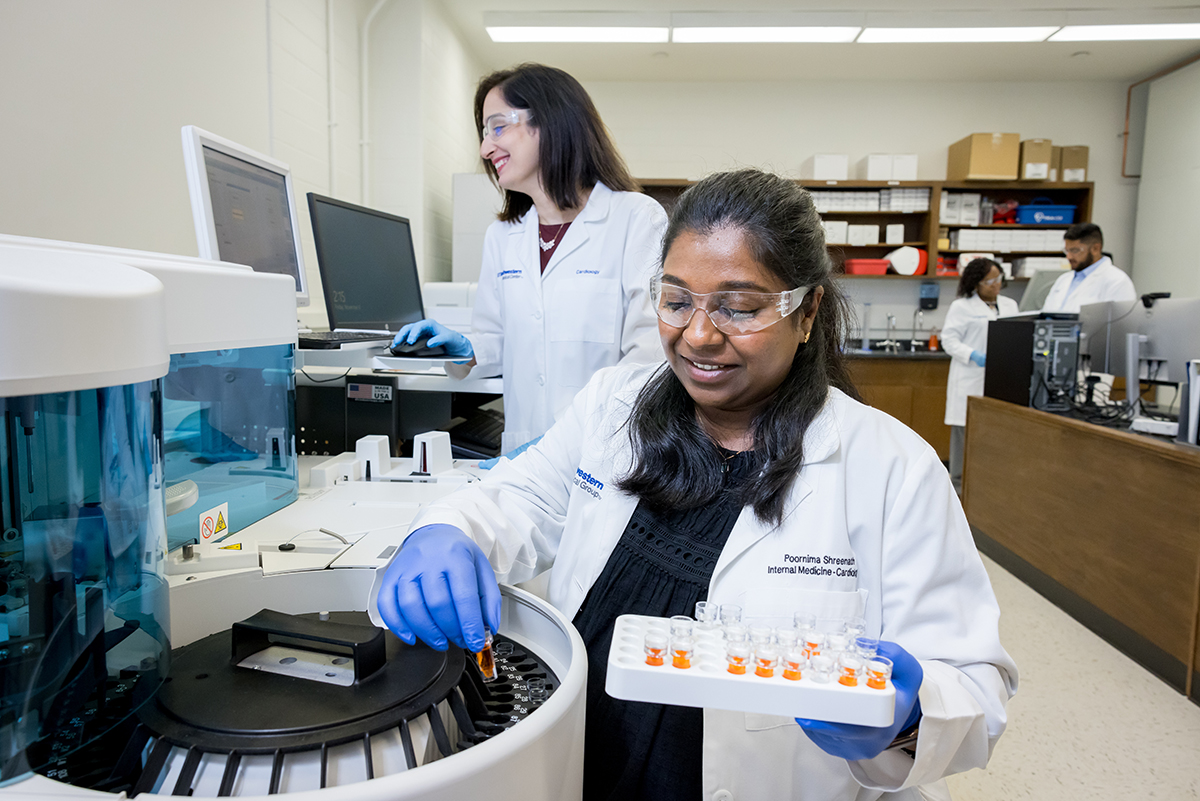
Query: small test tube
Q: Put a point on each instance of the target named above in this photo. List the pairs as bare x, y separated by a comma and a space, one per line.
820, 669
537, 690
814, 643
736, 634
766, 659
866, 647
787, 638
854, 627
682, 649
502, 650
879, 672
804, 621
836, 643
485, 659
707, 615
850, 669
795, 662
737, 654
760, 634
656, 648
681, 626
731, 615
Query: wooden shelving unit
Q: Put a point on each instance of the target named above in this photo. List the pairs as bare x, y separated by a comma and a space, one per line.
921, 227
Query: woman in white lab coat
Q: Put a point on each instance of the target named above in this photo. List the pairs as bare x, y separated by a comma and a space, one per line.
563, 285
964, 337
744, 472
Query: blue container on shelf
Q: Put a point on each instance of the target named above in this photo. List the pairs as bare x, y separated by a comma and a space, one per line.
1042, 212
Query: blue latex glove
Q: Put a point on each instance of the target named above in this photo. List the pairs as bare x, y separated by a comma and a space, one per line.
488, 464
440, 587
439, 335
978, 358
848, 741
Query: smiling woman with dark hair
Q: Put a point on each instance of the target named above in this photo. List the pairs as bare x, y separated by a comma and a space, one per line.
706, 478
563, 284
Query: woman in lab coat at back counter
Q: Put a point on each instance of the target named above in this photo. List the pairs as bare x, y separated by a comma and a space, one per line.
563, 286
741, 473
964, 337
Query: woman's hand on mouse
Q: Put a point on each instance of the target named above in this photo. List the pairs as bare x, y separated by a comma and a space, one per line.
439, 335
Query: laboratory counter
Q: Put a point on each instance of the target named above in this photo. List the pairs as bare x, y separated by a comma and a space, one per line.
1104, 523
910, 386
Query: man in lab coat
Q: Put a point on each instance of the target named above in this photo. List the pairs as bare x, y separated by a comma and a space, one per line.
1093, 277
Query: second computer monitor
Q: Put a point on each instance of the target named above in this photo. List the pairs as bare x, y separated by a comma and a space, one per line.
368, 266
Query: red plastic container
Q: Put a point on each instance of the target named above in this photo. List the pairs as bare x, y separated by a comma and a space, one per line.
866, 266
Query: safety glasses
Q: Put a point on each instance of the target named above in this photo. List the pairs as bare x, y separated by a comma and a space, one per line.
495, 125
733, 313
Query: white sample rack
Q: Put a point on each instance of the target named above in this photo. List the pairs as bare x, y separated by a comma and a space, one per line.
708, 682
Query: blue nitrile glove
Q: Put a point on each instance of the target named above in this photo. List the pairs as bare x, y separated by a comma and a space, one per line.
439, 335
488, 464
978, 358
440, 587
848, 741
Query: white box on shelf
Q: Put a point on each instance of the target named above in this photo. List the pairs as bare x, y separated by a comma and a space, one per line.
1002, 240
895, 234
875, 167
969, 212
951, 210
828, 167
863, 235
836, 232
904, 168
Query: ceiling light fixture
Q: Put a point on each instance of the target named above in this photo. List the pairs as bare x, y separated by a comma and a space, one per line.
955, 35
764, 34
562, 33
1127, 33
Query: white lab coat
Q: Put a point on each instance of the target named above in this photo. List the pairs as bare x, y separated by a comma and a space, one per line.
1107, 282
548, 333
965, 330
871, 490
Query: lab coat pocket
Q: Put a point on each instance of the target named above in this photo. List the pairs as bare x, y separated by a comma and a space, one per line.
782, 603
583, 309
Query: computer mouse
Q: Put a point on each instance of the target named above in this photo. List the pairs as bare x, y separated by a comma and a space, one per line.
418, 348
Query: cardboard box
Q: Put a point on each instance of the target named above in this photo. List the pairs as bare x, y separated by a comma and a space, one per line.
1074, 163
1055, 162
904, 166
828, 167
984, 157
1036, 155
895, 234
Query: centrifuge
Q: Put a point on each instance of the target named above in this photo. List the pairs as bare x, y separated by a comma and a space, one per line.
211, 670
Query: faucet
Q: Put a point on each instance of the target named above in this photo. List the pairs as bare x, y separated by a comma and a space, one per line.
891, 345
918, 328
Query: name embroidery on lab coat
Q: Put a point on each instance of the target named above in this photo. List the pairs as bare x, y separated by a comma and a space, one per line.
585, 481
504, 275
809, 565
587, 272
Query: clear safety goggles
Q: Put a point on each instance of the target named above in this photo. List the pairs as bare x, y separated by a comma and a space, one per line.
731, 312
495, 125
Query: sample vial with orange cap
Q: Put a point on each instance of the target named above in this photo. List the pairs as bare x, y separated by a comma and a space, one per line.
766, 659
794, 663
850, 668
879, 671
682, 649
655, 647
737, 654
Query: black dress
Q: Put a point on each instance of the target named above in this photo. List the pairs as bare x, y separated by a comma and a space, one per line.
661, 567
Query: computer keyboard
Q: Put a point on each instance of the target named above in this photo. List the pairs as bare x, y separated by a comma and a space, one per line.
482, 429
335, 339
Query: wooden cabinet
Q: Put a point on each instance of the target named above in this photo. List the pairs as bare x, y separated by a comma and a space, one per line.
912, 389
921, 228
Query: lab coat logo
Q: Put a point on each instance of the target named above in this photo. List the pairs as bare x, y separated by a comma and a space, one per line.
585, 481
504, 275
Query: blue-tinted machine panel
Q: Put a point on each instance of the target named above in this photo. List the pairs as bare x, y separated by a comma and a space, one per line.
229, 426
84, 613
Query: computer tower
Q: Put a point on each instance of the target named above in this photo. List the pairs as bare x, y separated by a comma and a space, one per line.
1032, 362
374, 405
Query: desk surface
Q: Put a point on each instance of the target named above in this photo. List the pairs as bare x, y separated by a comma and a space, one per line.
363, 358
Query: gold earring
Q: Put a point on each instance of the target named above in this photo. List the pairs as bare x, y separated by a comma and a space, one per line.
806, 336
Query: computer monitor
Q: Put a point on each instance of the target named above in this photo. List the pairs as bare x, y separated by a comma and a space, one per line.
368, 266
1170, 331
242, 207
1037, 289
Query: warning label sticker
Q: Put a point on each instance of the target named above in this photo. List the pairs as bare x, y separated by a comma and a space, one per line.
214, 522
234, 547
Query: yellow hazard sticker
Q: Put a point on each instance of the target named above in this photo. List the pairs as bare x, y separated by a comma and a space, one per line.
220, 523
236, 547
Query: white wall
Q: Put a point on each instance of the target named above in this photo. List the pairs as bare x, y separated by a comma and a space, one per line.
686, 130
1166, 258
95, 95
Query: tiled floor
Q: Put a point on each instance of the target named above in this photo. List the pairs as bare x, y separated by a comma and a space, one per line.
1087, 722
